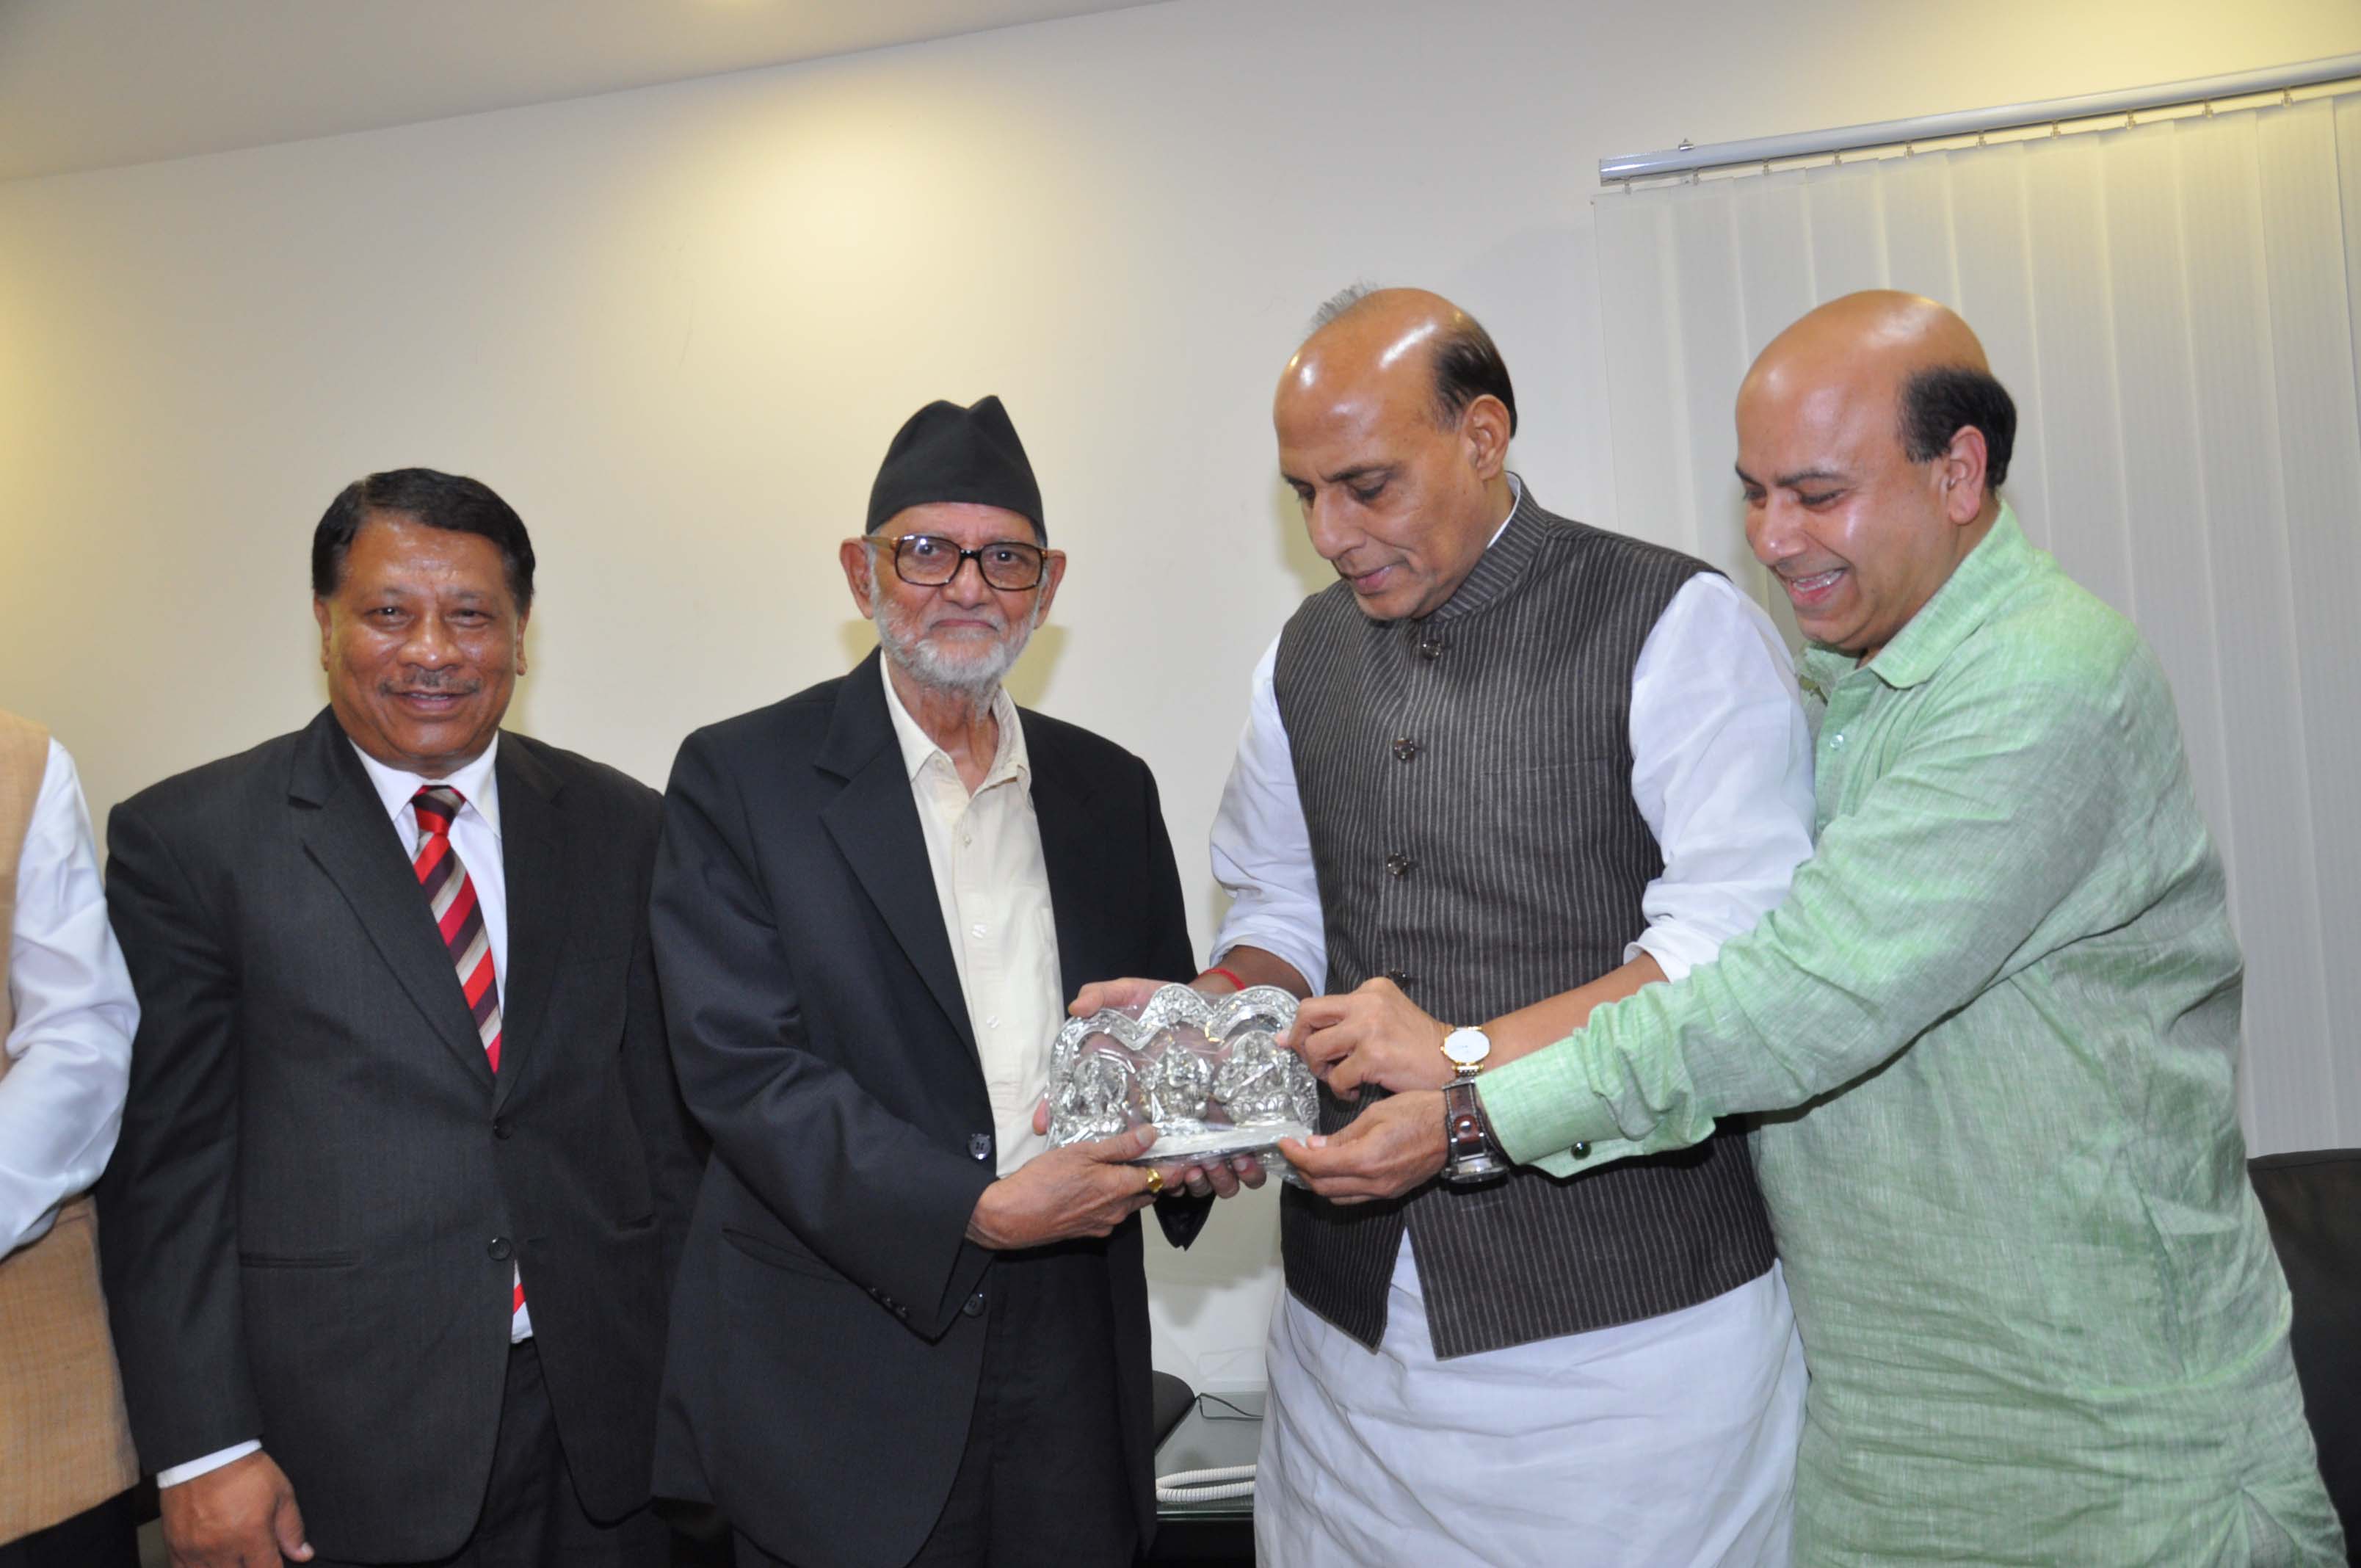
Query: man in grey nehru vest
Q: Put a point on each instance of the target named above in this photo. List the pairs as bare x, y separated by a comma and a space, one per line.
1508, 768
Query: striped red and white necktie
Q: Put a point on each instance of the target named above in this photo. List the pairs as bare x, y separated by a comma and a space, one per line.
451, 896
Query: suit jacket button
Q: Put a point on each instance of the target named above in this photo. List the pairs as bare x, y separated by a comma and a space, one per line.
1401, 977
502, 1249
973, 1305
1405, 748
500, 1128
980, 1144
1399, 865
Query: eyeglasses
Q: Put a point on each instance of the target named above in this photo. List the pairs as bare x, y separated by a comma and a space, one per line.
929, 561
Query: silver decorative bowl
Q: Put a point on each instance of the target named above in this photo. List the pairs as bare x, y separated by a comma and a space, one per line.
1207, 1070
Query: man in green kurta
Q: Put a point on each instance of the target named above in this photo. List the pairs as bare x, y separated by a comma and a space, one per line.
1993, 1031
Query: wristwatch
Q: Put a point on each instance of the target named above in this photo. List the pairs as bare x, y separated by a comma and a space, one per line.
1465, 1049
1470, 1155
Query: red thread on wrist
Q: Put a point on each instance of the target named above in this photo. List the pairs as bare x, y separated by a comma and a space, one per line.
1230, 975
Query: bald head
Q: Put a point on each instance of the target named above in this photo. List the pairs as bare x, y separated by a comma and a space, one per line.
1903, 352
1393, 421
1871, 437
1406, 344
1880, 329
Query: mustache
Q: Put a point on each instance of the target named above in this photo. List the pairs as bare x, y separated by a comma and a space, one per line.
433, 685
986, 613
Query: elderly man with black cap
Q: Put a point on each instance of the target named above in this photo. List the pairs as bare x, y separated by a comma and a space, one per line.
908, 1331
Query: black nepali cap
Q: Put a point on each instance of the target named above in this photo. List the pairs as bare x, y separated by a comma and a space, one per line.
946, 453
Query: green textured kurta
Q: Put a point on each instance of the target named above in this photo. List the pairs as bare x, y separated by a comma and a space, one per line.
1995, 1026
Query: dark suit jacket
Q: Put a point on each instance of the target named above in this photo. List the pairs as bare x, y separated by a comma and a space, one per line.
824, 1360
320, 1186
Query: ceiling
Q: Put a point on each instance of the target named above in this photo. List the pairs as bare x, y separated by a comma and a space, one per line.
92, 84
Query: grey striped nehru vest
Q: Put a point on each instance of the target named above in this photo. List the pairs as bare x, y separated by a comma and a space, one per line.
1468, 783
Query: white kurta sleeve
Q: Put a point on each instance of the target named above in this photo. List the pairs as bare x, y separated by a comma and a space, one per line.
1262, 849
70, 1050
1721, 770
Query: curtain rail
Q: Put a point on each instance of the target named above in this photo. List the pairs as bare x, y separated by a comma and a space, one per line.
1686, 160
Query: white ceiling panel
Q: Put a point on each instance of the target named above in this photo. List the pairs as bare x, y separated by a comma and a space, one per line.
92, 84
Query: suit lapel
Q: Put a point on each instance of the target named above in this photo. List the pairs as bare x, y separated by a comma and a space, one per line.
346, 832
534, 852
875, 823
1066, 809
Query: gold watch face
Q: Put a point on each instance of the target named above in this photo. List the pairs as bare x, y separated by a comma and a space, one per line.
1466, 1047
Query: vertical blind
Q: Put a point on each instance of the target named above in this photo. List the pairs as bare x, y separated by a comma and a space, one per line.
2174, 307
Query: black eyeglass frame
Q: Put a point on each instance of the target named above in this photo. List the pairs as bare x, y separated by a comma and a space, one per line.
962, 557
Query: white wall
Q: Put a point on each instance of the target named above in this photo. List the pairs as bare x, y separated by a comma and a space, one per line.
676, 326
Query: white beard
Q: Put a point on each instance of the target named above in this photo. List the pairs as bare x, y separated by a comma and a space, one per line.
976, 677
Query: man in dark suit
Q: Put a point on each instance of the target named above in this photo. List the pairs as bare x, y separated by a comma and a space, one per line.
908, 1331
403, 1168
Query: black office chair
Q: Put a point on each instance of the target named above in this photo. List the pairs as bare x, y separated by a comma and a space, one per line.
1168, 1400
2314, 1203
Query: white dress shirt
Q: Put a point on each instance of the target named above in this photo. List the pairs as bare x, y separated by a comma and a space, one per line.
475, 836
70, 1050
994, 887
1721, 770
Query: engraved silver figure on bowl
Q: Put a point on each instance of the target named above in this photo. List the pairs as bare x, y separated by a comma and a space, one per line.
1207, 1070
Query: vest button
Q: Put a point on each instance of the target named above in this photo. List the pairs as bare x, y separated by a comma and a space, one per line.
1398, 864
1401, 977
979, 1145
973, 1306
500, 1128
1405, 748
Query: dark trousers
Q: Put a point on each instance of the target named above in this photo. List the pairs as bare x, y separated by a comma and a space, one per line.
532, 1518
104, 1537
1041, 1480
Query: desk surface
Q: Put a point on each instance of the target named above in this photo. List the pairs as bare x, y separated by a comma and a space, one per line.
1212, 1437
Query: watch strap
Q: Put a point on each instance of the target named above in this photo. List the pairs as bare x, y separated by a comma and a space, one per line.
1471, 1153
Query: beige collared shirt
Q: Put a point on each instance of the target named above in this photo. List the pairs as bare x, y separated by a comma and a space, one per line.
985, 851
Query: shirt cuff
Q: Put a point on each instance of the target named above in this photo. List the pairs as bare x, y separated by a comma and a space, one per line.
1309, 963
1675, 948
1540, 1106
173, 1475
